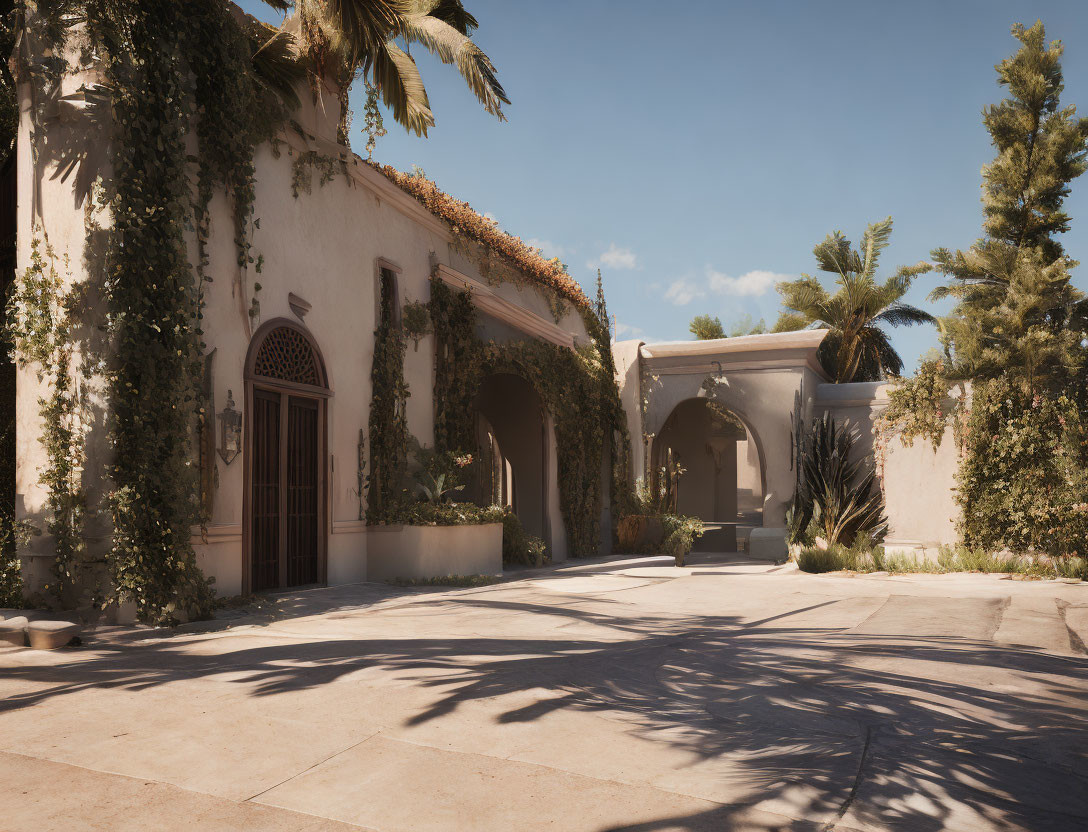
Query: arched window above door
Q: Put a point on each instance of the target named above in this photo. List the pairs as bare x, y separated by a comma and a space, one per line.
287, 354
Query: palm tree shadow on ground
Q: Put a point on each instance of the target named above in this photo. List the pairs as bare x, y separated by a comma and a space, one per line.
805, 722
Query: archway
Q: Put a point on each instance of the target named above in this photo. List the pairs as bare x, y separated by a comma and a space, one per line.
511, 437
287, 393
707, 462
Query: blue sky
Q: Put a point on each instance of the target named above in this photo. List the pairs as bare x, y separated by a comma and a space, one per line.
697, 151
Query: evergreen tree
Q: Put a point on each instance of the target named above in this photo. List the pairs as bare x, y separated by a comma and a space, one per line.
1017, 315
1017, 330
599, 306
706, 328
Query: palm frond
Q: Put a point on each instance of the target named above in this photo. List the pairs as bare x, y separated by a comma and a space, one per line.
276, 64
790, 322
873, 242
833, 254
903, 314
448, 11
365, 25
397, 76
881, 359
453, 47
805, 296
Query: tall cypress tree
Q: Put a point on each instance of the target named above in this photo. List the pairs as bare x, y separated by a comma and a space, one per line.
1018, 328
1017, 315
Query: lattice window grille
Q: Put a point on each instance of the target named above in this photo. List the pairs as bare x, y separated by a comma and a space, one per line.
285, 354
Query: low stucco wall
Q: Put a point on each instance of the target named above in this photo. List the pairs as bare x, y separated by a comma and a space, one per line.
919, 480
433, 551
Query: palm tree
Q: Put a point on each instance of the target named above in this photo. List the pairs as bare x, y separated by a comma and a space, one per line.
343, 38
856, 348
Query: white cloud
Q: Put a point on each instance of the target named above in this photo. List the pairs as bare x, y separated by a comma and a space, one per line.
750, 284
615, 258
683, 292
628, 330
549, 248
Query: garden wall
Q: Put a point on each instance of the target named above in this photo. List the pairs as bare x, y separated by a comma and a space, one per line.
919, 481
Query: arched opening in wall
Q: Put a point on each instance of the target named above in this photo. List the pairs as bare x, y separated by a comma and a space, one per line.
706, 461
287, 392
510, 433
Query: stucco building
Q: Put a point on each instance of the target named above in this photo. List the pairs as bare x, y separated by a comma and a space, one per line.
336, 244
726, 411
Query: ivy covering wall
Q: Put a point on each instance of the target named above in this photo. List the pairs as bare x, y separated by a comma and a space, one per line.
167, 72
577, 388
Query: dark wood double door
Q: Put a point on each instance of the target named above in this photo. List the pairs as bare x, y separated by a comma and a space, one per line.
286, 534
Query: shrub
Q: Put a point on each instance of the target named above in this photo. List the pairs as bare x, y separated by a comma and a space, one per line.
1023, 481
518, 546
839, 493
680, 535
448, 514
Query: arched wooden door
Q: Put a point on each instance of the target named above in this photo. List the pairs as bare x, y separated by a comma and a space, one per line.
287, 394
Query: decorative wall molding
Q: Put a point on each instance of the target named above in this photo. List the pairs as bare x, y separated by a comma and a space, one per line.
299, 306
771, 351
217, 534
349, 526
506, 311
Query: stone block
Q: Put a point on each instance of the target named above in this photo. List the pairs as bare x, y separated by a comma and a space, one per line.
13, 630
48, 635
767, 544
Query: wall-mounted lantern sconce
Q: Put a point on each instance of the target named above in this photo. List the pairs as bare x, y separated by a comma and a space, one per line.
720, 377
230, 431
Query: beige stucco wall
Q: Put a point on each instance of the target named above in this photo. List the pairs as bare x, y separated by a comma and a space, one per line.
919, 481
763, 379
323, 247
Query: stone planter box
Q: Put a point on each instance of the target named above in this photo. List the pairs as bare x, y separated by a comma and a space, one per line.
639, 532
433, 551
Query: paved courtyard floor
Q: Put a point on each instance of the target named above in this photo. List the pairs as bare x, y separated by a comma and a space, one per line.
613, 694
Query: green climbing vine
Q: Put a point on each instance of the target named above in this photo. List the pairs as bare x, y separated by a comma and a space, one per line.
388, 419
153, 308
577, 388
917, 407
39, 321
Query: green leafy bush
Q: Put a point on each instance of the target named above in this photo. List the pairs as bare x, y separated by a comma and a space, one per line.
518, 546
1023, 480
862, 556
681, 533
448, 514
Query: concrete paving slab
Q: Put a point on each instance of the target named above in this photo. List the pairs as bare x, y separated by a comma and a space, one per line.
53, 797
1076, 620
1034, 622
713, 699
973, 618
442, 790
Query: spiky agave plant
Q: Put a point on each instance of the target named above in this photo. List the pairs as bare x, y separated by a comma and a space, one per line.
843, 491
